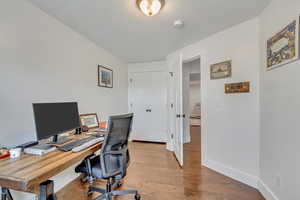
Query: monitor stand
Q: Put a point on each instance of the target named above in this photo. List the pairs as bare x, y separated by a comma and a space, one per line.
59, 141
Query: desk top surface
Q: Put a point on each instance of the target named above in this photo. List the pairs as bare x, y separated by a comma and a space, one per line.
28, 171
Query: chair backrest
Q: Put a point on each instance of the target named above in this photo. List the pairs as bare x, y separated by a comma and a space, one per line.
119, 128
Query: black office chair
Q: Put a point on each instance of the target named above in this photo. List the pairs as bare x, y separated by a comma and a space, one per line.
113, 161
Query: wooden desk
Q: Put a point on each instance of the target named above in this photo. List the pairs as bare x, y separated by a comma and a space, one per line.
29, 172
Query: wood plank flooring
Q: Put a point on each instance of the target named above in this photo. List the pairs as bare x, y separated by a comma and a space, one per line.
155, 173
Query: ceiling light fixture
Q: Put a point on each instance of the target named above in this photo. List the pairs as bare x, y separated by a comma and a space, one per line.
150, 7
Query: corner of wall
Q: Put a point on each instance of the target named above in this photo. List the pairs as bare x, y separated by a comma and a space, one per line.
266, 191
235, 174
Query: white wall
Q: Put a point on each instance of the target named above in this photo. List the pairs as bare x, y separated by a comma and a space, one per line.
280, 97
147, 67
42, 60
230, 123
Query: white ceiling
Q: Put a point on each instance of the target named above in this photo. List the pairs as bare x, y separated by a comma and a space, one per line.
119, 27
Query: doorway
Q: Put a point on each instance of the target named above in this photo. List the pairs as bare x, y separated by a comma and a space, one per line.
191, 97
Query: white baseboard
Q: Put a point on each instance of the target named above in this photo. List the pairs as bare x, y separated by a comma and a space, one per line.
235, 174
266, 191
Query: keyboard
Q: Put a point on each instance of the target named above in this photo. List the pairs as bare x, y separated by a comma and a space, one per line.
72, 145
87, 144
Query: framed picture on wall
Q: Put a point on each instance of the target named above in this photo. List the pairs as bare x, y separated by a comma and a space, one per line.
283, 47
105, 77
220, 70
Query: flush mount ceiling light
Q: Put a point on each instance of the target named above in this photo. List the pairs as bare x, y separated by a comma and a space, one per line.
150, 7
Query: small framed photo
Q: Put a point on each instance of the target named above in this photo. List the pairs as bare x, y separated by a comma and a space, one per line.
105, 77
89, 120
220, 70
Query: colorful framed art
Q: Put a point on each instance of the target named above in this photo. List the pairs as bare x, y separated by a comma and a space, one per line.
283, 47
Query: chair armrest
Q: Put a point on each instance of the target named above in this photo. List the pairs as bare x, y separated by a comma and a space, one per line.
121, 152
87, 161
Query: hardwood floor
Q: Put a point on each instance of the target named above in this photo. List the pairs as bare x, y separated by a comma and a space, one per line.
155, 173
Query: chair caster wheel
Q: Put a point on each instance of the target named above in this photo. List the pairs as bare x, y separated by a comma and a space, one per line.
90, 192
137, 197
119, 184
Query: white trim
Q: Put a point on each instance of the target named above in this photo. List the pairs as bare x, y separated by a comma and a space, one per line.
266, 191
191, 59
236, 174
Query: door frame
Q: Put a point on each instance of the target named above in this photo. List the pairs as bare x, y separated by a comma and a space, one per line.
186, 57
186, 106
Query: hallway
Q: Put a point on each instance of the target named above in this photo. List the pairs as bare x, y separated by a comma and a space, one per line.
192, 150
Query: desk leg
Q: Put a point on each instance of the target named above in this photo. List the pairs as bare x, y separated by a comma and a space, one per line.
47, 191
5, 194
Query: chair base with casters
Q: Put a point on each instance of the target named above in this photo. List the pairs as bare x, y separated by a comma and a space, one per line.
88, 179
110, 192
111, 185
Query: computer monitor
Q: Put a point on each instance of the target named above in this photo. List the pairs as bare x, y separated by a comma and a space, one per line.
52, 119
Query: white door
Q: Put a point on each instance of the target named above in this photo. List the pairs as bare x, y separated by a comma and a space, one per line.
147, 99
178, 136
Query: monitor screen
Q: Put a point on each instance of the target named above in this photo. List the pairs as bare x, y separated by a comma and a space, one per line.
54, 118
